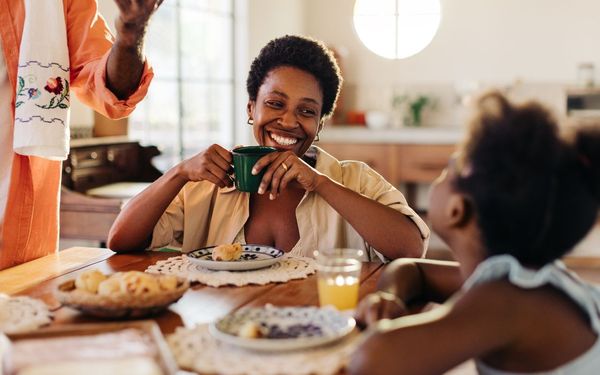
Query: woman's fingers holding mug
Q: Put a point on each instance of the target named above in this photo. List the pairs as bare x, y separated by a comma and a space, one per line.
219, 151
264, 162
211, 164
286, 169
274, 170
221, 161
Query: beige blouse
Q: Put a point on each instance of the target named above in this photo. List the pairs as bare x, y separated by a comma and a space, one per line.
203, 215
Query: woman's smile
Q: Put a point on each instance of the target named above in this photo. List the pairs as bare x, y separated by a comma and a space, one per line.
282, 140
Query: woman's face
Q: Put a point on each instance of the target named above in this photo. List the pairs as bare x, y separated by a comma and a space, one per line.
287, 110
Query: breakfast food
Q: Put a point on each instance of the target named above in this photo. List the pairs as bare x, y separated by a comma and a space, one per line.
110, 286
250, 330
131, 283
137, 283
89, 280
130, 294
227, 252
167, 282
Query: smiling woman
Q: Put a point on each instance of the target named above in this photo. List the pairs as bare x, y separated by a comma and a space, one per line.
306, 199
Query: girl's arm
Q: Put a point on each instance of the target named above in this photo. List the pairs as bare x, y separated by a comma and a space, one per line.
434, 342
406, 282
421, 280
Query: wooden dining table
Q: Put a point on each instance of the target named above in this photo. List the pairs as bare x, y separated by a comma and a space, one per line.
201, 304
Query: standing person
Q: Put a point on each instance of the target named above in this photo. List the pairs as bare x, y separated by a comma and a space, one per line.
515, 200
307, 199
48, 48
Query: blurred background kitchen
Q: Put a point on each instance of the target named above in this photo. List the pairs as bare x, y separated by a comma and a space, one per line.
410, 68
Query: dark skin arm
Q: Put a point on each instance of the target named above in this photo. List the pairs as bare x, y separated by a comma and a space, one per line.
132, 230
436, 341
408, 281
126, 59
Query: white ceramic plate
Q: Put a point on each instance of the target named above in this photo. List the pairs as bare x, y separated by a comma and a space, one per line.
284, 328
253, 257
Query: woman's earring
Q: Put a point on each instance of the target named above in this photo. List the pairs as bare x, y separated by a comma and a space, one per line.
317, 138
250, 121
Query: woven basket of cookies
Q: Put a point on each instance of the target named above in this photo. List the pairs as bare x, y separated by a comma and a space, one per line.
130, 294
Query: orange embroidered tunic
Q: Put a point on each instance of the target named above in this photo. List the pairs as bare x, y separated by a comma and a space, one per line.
30, 228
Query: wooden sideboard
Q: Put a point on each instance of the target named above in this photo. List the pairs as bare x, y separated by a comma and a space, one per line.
399, 163
93, 163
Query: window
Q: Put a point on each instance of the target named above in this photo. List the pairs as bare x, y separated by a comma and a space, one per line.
396, 29
190, 102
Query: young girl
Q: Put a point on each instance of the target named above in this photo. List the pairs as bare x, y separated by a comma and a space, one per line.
515, 199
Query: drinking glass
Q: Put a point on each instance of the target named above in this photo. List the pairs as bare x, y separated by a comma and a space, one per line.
338, 277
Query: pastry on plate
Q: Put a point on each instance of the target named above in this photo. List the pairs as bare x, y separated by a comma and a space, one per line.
227, 252
250, 330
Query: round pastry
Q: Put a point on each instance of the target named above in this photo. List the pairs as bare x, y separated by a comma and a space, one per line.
89, 280
137, 283
227, 252
167, 282
110, 286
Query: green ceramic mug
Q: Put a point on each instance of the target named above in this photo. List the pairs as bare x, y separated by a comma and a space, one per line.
244, 159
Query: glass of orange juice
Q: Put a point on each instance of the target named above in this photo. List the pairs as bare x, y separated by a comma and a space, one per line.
338, 277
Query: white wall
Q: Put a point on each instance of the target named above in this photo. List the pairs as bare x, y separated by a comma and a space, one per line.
490, 40
257, 22
537, 42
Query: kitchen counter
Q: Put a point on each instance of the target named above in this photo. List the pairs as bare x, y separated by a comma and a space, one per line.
362, 134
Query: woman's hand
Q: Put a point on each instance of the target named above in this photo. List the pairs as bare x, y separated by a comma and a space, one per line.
283, 168
212, 164
377, 306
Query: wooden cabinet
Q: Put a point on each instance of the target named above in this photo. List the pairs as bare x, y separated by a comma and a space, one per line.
407, 164
94, 163
420, 163
398, 163
378, 156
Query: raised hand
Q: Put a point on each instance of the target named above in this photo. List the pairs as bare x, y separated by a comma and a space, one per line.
281, 169
212, 164
133, 18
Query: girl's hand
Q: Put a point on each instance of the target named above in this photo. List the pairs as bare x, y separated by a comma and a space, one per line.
377, 306
283, 168
212, 164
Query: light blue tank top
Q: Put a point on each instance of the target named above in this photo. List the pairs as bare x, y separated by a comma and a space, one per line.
557, 275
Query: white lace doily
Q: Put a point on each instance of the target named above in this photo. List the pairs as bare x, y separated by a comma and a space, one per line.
22, 314
289, 268
196, 350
